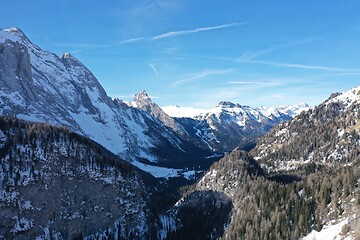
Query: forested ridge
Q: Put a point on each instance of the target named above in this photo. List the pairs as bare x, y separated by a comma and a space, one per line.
267, 207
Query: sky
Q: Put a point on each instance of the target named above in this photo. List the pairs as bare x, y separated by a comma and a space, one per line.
197, 53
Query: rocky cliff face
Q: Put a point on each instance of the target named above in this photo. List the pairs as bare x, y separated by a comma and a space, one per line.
143, 102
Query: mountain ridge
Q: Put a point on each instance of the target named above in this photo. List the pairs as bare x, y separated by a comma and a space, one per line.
177, 111
231, 125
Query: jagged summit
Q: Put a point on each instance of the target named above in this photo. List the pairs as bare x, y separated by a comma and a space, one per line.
334, 95
70, 61
144, 102
67, 55
347, 98
14, 34
142, 96
227, 104
14, 31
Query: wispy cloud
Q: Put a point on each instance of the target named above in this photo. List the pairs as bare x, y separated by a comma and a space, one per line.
130, 97
302, 66
155, 70
87, 46
131, 40
78, 45
257, 83
196, 30
201, 75
155, 97
338, 70
151, 8
272, 48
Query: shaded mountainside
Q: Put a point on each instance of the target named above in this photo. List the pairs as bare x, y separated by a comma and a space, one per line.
328, 134
57, 184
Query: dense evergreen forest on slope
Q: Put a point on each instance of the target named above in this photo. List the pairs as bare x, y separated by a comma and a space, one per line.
270, 208
58, 184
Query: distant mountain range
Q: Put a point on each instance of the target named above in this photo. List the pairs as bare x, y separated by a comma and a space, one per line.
195, 113
230, 125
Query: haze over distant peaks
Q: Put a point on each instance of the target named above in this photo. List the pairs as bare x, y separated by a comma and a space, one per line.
190, 112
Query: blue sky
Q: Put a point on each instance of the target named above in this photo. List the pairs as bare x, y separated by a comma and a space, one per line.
197, 53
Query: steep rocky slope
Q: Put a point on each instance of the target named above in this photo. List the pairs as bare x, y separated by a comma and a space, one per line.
143, 102
57, 184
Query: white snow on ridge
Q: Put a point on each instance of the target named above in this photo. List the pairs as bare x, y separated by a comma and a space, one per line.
158, 172
348, 97
103, 134
291, 110
328, 232
188, 112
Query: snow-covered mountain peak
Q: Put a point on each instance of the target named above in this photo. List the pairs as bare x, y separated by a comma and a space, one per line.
143, 101
291, 110
14, 34
67, 56
184, 112
227, 104
142, 97
294, 110
69, 60
14, 31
